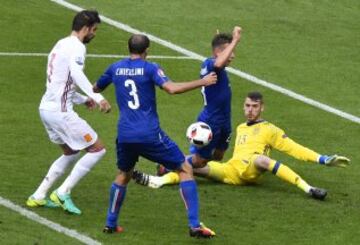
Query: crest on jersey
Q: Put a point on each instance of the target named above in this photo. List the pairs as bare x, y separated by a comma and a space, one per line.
161, 73
203, 71
79, 60
87, 137
256, 131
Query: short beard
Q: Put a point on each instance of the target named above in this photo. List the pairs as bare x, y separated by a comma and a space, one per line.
87, 39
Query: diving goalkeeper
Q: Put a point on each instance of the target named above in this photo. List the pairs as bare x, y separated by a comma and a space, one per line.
251, 158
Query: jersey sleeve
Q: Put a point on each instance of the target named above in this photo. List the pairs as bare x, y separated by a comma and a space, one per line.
77, 61
105, 79
158, 75
79, 98
280, 141
207, 67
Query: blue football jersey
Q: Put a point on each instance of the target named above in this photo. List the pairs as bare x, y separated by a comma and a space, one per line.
217, 97
134, 82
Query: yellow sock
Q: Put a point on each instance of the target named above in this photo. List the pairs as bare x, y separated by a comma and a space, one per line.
171, 178
285, 173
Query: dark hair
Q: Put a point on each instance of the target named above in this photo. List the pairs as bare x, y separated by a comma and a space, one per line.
221, 39
255, 96
138, 43
85, 18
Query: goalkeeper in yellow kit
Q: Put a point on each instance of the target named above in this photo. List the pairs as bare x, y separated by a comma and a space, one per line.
254, 141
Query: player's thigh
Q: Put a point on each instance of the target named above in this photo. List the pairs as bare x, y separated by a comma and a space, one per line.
247, 168
206, 152
127, 155
165, 151
47, 119
224, 172
68, 128
217, 146
77, 133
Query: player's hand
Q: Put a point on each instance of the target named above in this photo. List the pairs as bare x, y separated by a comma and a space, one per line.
105, 106
90, 104
337, 161
237, 33
210, 79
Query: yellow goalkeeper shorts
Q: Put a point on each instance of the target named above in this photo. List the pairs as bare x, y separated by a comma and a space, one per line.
235, 171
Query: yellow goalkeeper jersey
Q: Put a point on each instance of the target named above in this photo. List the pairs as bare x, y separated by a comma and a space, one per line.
261, 137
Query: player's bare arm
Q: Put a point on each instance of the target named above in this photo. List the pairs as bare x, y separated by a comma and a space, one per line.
225, 54
103, 104
178, 88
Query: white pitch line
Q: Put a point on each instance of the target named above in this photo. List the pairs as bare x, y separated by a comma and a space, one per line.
98, 55
234, 71
37, 218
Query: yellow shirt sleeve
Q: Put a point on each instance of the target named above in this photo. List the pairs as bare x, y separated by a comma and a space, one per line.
280, 141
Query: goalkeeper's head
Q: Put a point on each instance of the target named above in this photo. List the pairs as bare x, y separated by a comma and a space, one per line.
253, 106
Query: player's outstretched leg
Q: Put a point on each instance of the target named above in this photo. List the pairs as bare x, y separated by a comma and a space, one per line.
285, 173
147, 179
140, 177
155, 181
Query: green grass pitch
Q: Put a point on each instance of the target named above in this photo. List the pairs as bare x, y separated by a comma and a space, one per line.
311, 47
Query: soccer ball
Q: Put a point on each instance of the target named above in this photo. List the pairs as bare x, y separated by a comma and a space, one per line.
199, 134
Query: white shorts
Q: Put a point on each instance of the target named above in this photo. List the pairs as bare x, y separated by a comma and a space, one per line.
68, 128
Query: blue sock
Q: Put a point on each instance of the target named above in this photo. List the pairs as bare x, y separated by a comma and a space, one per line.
323, 158
189, 194
117, 196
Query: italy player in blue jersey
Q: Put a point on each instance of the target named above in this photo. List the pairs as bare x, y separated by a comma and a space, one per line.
217, 99
216, 112
139, 132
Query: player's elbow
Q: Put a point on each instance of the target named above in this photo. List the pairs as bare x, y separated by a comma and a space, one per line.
172, 91
171, 88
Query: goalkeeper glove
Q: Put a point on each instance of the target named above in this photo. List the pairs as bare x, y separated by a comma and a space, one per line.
334, 161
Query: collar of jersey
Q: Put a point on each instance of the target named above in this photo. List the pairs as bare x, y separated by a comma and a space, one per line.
254, 122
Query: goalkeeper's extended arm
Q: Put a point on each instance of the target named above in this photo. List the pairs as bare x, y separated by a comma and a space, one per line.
334, 161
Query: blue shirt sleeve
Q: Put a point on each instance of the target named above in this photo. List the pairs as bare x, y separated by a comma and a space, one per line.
158, 75
210, 65
105, 78
207, 67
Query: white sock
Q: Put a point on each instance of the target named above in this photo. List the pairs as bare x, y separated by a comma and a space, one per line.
304, 186
81, 168
56, 170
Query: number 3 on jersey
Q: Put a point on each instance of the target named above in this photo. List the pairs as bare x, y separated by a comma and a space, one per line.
133, 104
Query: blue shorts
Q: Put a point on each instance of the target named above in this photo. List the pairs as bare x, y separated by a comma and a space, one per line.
164, 150
220, 141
